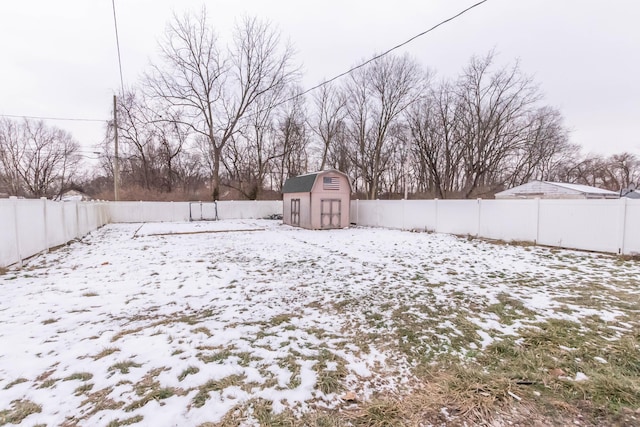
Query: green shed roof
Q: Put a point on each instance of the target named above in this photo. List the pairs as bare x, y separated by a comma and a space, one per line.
299, 184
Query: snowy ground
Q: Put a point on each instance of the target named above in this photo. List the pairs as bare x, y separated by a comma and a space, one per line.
137, 325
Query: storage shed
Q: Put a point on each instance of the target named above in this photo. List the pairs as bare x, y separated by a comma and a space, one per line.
318, 200
555, 190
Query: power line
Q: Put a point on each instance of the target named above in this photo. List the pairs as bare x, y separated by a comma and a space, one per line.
375, 58
326, 82
73, 119
115, 24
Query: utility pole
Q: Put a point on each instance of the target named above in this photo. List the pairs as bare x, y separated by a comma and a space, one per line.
116, 161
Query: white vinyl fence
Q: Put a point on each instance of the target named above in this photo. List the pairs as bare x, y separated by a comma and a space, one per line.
186, 211
30, 226
597, 225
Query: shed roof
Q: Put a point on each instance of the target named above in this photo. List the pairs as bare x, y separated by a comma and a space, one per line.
304, 183
633, 194
300, 184
582, 188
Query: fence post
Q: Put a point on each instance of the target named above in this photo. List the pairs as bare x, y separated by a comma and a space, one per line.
77, 222
479, 200
436, 224
64, 226
15, 228
44, 218
623, 225
537, 221
357, 212
404, 213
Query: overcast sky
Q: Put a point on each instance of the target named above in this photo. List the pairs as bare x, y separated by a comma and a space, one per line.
59, 57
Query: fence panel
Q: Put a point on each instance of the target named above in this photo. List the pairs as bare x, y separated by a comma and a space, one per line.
9, 251
365, 212
55, 223
421, 214
249, 209
390, 213
70, 223
509, 220
179, 211
457, 217
580, 224
631, 239
31, 227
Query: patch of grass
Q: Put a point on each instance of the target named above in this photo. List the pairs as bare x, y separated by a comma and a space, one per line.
331, 371
49, 321
83, 389
378, 414
245, 358
528, 366
218, 356
20, 409
125, 332
99, 401
157, 394
148, 382
281, 318
189, 371
509, 309
202, 329
90, 294
126, 421
124, 366
82, 376
291, 364
105, 352
48, 383
216, 385
263, 413
15, 382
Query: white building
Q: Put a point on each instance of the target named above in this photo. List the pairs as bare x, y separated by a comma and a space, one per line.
555, 190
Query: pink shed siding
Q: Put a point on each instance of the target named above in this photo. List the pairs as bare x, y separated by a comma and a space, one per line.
305, 208
325, 206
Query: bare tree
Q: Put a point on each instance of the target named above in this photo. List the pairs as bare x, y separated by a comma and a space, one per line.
377, 97
330, 111
612, 173
35, 159
624, 169
545, 146
495, 107
252, 150
214, 88
437, 147
10, 155
292, 139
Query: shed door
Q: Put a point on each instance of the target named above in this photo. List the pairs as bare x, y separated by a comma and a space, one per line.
295, 212
330, 213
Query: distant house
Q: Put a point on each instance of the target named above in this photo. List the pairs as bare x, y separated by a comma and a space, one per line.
73, 196
318, 200
631, 194
555, 190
